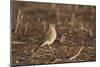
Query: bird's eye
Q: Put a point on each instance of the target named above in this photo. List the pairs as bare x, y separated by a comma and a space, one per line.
53, 25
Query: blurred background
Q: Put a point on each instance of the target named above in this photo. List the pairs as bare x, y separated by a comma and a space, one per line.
75, 26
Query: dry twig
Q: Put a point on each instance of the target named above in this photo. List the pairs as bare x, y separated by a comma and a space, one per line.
19, 19
57, 60
76, 55
17, 42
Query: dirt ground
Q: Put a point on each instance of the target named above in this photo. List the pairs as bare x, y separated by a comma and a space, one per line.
75, 26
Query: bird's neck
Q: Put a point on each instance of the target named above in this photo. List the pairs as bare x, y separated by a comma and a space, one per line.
52, 28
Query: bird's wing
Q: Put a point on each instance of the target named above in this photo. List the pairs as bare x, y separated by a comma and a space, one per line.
48, 35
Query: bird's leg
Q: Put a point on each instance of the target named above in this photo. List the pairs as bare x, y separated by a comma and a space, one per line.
52, 51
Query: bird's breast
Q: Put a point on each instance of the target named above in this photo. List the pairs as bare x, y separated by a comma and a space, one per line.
53, 36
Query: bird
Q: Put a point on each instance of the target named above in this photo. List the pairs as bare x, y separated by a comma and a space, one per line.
49, 38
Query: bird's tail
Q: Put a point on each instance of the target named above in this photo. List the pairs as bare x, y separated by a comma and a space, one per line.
40, 46
44, 43
37, 48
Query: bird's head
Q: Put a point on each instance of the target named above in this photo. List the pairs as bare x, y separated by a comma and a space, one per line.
52, 25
